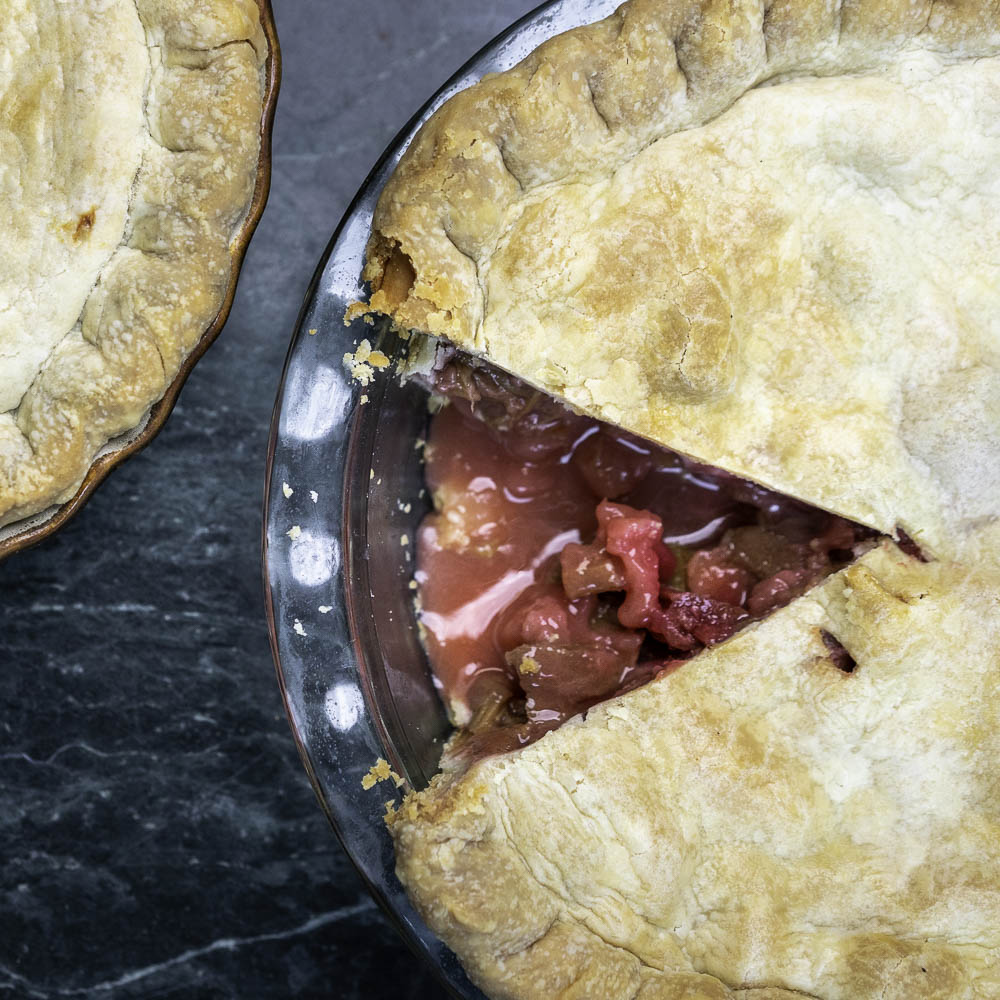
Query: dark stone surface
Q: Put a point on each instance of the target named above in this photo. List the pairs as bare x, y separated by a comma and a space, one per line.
157, 833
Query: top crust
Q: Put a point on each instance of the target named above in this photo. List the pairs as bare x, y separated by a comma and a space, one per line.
632, 221
763, 236
125, 189
756, 820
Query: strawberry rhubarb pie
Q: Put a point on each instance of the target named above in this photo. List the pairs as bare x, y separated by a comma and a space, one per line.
708, 298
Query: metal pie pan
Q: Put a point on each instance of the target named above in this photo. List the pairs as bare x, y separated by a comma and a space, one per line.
343, 500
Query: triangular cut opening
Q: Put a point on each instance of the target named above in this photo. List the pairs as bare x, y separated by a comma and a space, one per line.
567, 561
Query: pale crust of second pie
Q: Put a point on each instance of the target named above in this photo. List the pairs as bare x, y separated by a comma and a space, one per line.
766, 237
716, 225
129, 137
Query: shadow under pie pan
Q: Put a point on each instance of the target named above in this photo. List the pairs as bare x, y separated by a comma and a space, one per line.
343, 500
31, 530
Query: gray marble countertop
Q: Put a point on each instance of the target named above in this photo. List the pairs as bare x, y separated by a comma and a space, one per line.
159, 837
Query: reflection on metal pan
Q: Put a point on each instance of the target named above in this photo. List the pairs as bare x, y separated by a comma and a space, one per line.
350, 666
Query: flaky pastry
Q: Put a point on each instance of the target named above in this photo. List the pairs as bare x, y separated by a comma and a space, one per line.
716, 225
757, 819
766, 237
129, 138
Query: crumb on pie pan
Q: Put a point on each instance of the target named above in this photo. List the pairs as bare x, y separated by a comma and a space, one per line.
30, 530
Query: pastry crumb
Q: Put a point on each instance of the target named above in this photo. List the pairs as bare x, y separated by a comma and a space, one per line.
287, 490
380, 771
404, 540
358, 363
529, 665
312, 332
364, 398
293, 532
314, 496
298, 627
325, 609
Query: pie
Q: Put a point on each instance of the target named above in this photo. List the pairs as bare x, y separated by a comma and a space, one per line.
129, 140
765, 239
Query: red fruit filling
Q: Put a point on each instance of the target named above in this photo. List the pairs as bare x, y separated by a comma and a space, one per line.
567, 561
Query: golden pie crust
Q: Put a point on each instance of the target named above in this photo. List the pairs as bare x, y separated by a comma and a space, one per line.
718, 226
757, 819
129, 139
765, 236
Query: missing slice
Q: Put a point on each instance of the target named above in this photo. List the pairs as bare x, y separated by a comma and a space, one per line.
568, 561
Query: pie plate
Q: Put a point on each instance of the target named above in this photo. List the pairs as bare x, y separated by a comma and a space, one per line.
342, 504
32, 529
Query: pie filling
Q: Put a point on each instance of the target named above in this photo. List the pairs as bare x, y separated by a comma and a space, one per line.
567, 561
